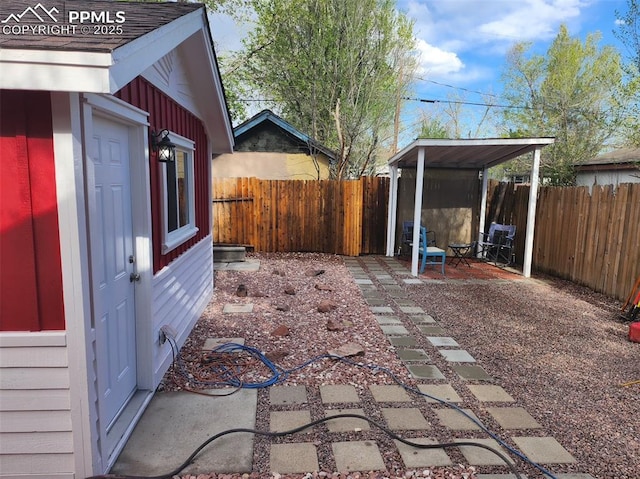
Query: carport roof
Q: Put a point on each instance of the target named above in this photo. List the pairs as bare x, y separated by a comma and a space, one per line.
466, 153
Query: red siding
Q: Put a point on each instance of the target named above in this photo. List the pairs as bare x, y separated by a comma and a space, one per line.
166, 113
30, 264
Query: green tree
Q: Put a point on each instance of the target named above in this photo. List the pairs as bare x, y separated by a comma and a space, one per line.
335, 69
629, 34
575, 93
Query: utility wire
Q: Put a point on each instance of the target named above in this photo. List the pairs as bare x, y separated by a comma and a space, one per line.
471, 103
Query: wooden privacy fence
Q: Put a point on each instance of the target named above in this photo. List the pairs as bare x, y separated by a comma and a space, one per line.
590, 239
342, 217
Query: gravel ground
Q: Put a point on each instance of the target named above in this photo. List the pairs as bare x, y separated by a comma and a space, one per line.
557, 348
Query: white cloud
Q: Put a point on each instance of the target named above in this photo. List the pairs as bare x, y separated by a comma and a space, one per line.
437, 62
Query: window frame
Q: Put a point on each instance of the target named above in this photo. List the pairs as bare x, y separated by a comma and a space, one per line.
172, 239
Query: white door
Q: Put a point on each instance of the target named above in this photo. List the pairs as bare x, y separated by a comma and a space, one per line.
112, 266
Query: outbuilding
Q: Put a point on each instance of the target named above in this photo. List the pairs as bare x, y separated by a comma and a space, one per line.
110, 113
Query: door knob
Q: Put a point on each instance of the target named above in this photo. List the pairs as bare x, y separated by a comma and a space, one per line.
134, 277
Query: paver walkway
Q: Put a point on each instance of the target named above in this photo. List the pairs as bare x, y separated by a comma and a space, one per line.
418, 339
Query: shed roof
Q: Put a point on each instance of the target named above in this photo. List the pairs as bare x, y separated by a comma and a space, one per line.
475, 153
48, 27
614, 157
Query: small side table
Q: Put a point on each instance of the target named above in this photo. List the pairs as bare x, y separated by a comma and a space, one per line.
460, 252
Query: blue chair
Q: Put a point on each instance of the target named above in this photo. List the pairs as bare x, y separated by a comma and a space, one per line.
407, 237
430, 254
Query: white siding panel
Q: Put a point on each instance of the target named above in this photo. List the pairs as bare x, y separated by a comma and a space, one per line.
34, 378
44, 357
19, 463
181, 291
35, 400
35, 421
43, 443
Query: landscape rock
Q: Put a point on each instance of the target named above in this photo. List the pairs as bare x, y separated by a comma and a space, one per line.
323, 287
242, 291
281, 330
335, 325
315, 272
326, 306
290, 290
283, 307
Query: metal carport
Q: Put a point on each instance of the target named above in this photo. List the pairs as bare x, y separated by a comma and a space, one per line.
479, 154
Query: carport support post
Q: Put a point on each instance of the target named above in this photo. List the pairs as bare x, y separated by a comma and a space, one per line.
417, 212
531, 214
393, 211
483, 204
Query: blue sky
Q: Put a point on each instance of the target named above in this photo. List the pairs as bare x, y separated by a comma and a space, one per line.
463, 43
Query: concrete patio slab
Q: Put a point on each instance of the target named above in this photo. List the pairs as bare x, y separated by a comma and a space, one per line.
285, 395
185, 419
412, 281
457, 421
357, 456
440, 391
363, 281
405, 419
545, 450
389, 393
404, 303
375, 301
249, 264
280, 421
338, 393
490, 393
421, 319
346, 424
293, 458
414, 457
482, 457
513, 418
425, 371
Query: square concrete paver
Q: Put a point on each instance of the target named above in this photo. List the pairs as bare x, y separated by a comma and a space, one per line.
545, 450
471, 372
388, 320
363, 281
439, 341
389, 393
405, 419
501, 476
357, 456
415, 457
280, 421
422, 318
231, 308
293, 458
412, 281
477, 456
381, 310
432, 330
457, 421
490, 393
457, 356
413, 355
406, 341
412, 309
404, 302
212, 343
280, 395
338, 393
513, 418
375, 301
440, 391
425, 371
346, 424
394, 330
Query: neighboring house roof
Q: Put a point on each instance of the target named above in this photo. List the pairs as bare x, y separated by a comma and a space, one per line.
621, 159
59, 53
267, 116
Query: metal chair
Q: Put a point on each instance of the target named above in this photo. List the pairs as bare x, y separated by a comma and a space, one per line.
407, 237
498, 244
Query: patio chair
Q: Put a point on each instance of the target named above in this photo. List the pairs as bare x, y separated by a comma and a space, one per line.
429, 254
407, 237
497, 245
